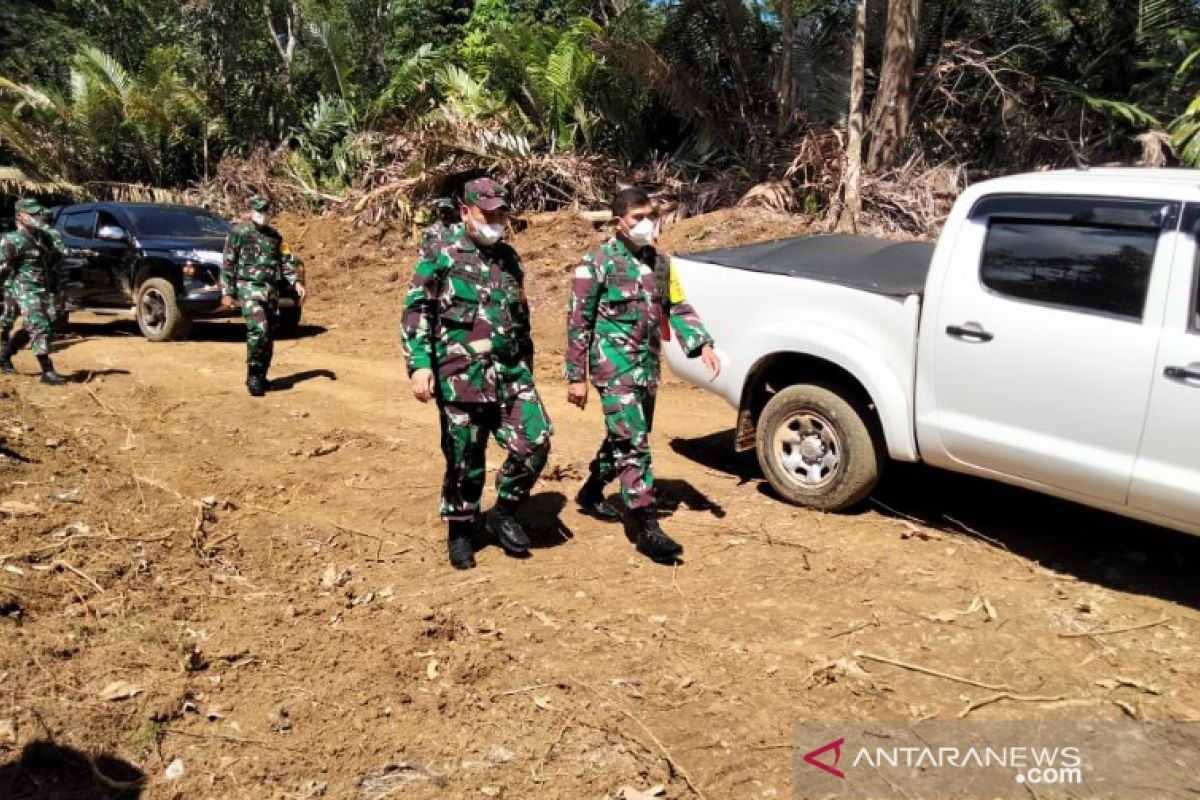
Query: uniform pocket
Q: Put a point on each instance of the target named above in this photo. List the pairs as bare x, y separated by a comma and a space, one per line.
622, 298
460, 297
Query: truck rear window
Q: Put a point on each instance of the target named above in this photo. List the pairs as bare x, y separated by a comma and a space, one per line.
1083, 266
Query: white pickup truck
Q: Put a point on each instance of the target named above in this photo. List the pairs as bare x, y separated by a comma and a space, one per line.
1051, 340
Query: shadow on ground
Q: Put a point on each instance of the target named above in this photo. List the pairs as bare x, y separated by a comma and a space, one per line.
49, 771
1091, 545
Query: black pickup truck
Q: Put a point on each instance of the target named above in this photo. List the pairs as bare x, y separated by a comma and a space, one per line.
157, 260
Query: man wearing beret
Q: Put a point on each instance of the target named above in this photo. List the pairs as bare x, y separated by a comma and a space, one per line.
468, 346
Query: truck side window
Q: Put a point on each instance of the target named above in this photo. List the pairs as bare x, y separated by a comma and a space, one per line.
1080, 264
105, 218
80, 224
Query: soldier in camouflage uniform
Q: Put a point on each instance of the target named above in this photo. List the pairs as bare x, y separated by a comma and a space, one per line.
27, 258
468, 344
623, 297
445, 215
256, 259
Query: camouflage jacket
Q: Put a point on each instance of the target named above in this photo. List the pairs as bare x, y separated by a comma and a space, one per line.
466, 317
615, 317
31, 259
257, 256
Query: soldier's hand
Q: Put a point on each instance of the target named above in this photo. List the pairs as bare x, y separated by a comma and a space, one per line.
422, 384
577, 394
301, 292
226, 301
711, 361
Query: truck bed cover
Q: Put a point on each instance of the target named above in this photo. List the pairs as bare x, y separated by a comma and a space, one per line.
881, 266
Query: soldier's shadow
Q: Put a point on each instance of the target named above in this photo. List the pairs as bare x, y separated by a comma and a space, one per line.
541, 516
47, 770
286, 382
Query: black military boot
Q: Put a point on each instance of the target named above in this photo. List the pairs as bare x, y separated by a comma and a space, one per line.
591, 501
462, 552
48, 374
6, 365
508, 532
652, 541
254, 382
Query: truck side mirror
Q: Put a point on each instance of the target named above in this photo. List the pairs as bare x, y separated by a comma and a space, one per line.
112, 233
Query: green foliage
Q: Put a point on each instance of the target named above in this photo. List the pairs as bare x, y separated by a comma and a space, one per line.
110, 123
159, 91
548, 73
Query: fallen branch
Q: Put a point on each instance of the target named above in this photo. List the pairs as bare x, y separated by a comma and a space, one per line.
671, 759
355, 532
157, 484
1111, 631
64, 565
933, 672
976, 533
234, 739
522, 690
536, 773
995, 698
210, 545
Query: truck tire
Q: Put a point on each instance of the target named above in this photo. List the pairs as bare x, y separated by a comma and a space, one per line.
816, 450
159, 316
289, 321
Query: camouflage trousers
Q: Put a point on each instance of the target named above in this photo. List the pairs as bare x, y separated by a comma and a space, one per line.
520, 425
260, 309
36, 307
625, 453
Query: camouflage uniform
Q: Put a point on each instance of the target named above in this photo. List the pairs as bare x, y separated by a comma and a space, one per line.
29, 274
255, 261
621, 303
445, 216
466, 318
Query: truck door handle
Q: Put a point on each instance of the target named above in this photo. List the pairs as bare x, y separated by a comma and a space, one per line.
960, 332
1181, 374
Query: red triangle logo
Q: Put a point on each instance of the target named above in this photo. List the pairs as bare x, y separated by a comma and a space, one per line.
836, 747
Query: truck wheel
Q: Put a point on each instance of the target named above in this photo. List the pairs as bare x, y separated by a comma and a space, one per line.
289, 321
158, 313
816, 450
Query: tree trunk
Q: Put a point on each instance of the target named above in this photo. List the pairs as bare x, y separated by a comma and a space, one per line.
893, 101
787, 44
287, 52
852, 181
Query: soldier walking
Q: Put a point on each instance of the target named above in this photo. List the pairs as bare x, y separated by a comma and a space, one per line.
621, 294
468, 346
255, 261
27, 258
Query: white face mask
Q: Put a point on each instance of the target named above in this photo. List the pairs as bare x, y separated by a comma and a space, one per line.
642, 234
259, 218
487, 234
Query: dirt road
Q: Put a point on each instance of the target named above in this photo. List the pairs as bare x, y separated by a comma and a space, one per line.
262, 583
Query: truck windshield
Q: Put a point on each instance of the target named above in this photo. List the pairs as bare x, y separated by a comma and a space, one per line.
181, 222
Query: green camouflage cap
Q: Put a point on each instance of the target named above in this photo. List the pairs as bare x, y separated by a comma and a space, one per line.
30, 206
257, 202
486, 193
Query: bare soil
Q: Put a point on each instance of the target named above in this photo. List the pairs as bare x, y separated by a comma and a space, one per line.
262, 582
